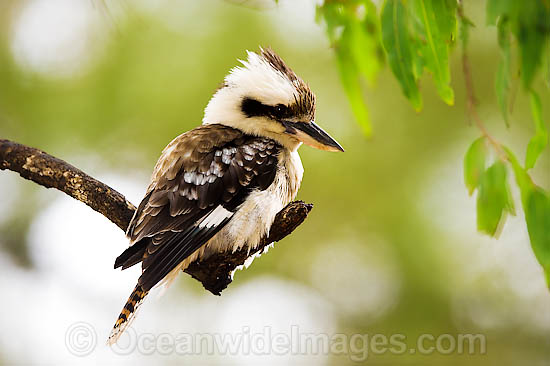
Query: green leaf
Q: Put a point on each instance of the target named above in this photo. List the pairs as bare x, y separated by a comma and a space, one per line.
357, 51
396, 40
537, 217
349, 74
438, 19
370, 26
493, 200
445, 11
523, 179
530, 24
538, 142
333, 15
536, 205
502, 81
493, 11
532, 29
530, 45
496, 8
474, 164
366, 48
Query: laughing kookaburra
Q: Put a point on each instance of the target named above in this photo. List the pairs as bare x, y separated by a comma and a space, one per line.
218, 187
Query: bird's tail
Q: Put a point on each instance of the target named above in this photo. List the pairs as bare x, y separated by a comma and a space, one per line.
128, 313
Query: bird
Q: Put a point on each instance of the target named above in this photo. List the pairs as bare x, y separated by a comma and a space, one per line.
218, 187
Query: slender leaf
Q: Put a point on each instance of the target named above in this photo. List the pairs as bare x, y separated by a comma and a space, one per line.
354, 53
537, 217
349, 74
396, 41
538, 142
445, 12
502, 81
438, 19
474, 164
356, 40
530, 24
497, 8
333, 15
532, 30
493, 11
367, 50
536, 205
523, 179
531, 45
493, 200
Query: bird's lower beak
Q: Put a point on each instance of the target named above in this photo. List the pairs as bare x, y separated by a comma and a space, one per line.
313, 135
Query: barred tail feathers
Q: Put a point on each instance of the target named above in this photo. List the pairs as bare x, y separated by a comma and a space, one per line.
127, 314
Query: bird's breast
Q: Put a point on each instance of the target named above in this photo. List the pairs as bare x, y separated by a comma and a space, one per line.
255, 216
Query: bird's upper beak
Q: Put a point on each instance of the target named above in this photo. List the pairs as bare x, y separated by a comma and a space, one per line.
311, 134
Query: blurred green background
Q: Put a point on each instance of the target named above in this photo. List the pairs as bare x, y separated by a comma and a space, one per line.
390, 247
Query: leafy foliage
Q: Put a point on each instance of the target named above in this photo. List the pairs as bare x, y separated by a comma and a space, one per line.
436, 30
503, 78
539, 141
474, 164
353, 29
536, 205
494, 200
537, 216
530, 24
401, 52
418, 35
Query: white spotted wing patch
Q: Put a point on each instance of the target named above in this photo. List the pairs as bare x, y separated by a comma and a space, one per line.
216, 217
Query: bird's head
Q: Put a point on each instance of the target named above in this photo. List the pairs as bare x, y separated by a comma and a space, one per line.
264, 97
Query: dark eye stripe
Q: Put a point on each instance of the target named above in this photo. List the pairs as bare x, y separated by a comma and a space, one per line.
254, 108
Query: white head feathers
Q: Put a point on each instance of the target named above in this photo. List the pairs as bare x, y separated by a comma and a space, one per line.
263, 77
262, 81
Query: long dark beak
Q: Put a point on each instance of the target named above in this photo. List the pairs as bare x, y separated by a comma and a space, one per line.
311, 134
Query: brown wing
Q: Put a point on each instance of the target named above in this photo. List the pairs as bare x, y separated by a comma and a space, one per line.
198, 183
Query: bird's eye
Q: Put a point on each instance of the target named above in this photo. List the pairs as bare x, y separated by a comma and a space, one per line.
279, 109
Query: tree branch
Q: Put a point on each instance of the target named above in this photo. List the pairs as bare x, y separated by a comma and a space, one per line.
51, 172
214, 272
